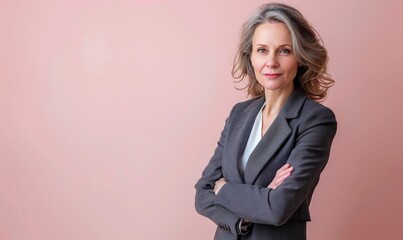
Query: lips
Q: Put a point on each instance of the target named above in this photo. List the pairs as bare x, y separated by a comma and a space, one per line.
272, 75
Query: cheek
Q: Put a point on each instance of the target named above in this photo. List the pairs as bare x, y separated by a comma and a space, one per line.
256, 64
291, 68
253, 62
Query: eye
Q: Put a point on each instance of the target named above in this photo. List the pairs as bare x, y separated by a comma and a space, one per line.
284, 51
261, 50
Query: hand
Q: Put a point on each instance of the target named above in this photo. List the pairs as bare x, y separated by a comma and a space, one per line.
281, 174
218, 185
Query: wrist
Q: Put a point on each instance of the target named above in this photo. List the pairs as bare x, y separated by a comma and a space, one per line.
244, 227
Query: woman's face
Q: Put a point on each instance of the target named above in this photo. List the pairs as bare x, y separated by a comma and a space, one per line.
272, 57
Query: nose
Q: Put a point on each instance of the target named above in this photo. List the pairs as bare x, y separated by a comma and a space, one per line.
271, 61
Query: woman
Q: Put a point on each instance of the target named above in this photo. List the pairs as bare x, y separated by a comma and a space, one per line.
260, 180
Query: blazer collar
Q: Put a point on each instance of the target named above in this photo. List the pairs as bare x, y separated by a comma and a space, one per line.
275, 136
290, 109
293, 105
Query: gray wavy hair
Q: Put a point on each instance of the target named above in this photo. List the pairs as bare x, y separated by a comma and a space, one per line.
312, 77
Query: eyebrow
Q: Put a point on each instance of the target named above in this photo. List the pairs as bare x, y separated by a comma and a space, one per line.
282, 45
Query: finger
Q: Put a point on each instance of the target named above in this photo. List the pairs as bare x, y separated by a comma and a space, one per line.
285, 166
283, 172
276, 184
220, 180
281, 179
289, 169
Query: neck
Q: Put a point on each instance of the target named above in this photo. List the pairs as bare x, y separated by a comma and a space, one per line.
275, 101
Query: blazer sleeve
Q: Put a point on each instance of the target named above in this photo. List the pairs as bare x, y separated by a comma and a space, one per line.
205, 197
308, 158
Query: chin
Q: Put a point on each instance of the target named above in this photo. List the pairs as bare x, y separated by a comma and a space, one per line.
273, 87
276, 87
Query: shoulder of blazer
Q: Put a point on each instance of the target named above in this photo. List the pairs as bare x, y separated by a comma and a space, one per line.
313, 113
247, 108
251, 103
300, 106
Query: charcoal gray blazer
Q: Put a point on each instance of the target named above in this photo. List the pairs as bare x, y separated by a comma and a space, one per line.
301, 135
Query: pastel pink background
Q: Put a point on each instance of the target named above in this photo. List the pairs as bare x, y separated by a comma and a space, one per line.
109, 111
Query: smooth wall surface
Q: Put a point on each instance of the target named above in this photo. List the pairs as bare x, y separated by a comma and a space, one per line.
109, 111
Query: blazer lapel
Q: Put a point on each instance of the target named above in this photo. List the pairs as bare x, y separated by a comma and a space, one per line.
274, 138
241, 129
